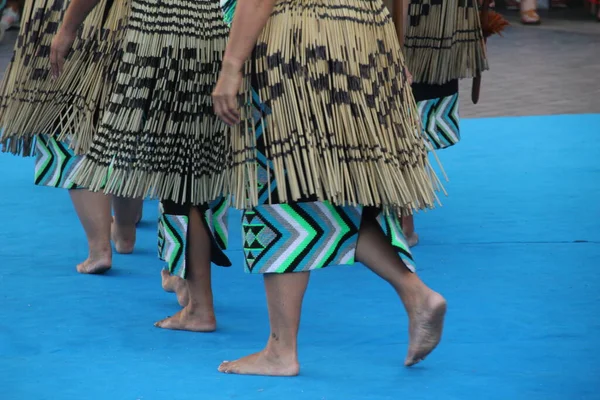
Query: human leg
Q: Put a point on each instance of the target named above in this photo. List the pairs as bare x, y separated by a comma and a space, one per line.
425, 308
529, 15
54, 166
408, 227
285, 293
123, 228
93, 210
173, 241
198, 314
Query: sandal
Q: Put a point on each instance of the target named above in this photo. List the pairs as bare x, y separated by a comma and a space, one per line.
530, 17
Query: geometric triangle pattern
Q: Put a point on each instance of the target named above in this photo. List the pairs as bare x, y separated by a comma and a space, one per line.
306, 236
298, 237
55, 163
172, 235
216, 217
440, 121
228, 8
267, 185
173, 225
390, 225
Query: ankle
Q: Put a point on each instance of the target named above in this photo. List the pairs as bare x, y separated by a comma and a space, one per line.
100, 251
127, 224
204, 310
413, 296
281, 349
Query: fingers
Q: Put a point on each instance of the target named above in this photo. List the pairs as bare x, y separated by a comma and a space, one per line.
53, 63
60, 64
57, 62
409, 77
226, 108
233, 109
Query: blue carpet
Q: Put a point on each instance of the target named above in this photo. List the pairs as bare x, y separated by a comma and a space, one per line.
515, 249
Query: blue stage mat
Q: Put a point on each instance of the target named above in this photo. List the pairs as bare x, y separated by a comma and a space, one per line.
515, 249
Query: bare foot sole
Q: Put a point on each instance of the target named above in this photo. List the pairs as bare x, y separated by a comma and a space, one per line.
262, 363
412, 239
123, 237
426, 329
94, 266
177, 285
185, 320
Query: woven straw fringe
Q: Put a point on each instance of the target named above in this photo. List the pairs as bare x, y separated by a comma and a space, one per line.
68, 108
159, 136
344, 125
444, 41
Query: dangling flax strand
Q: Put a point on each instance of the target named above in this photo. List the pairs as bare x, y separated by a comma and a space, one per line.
159, 136
344, 125
69, 107
444, 41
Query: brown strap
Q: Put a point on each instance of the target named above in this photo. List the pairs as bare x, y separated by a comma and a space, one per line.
476, 88
485, 7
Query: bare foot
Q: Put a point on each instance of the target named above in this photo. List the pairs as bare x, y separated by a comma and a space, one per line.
189, 320
263, 363
412, 239
172, 283
425, 328
96, 264
167, 281
123, 236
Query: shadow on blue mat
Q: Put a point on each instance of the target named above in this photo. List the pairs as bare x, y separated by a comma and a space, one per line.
515, 249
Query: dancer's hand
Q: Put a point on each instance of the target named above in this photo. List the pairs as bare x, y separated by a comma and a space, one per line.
61, 45
409, 77
225, 95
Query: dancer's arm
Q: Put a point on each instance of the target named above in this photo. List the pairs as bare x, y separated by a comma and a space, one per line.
76, 13
400, 17
250, 18
405, 4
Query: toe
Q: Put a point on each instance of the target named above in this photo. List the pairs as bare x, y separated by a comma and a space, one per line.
224, 367
410, 361
416, 357
162, 323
